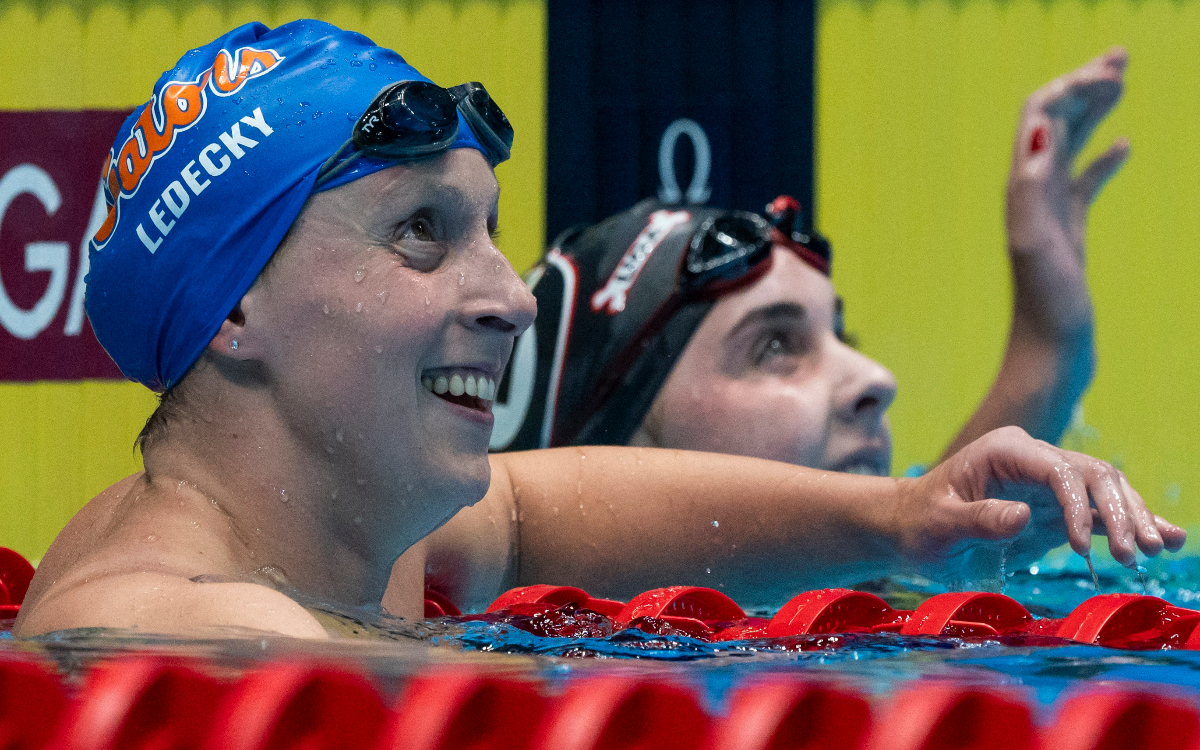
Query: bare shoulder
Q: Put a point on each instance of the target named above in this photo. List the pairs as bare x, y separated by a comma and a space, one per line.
134, 557
158, 603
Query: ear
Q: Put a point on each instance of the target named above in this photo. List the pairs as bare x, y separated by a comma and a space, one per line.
231, 340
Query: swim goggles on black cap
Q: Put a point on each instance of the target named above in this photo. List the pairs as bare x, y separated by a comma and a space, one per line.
728, 251
411, 119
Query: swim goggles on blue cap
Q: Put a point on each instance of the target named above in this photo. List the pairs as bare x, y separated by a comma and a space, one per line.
411, 119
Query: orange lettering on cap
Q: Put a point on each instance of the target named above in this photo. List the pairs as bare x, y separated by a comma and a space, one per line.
250, 62
180, 103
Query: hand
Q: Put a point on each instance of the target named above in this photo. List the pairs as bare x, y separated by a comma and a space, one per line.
958, 502
1046, 207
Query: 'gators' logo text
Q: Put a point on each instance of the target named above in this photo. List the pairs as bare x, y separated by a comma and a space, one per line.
177, 106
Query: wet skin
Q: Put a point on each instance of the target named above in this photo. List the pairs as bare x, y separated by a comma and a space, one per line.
315, 439
766, 374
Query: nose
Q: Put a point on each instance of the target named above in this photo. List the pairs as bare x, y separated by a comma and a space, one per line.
498, 299
866, 389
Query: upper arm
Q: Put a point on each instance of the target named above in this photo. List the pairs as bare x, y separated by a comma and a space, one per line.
156, 603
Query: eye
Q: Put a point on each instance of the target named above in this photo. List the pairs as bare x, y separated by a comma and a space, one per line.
419, 229
774, 345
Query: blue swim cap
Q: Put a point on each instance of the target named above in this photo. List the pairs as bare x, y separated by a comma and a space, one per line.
205, 179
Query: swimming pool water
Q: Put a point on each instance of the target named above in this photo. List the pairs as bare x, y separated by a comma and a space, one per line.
872, 663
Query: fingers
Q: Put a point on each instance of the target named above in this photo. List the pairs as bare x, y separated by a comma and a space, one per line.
1145, 528
1173, 537
1071, 106
991, 519
1115, 511
1099, 172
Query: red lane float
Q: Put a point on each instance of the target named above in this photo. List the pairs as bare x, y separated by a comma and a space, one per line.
141, 703
694, 610
1128, 720
835, 611
967, 613
941, 716
624, 713
15, 575
32, 703
1131, 621
465, 710
299, 707
438, 605
544, 597
790, 713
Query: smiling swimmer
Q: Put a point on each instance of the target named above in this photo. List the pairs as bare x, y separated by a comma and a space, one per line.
299, 255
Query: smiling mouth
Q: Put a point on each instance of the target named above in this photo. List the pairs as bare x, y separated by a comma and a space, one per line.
867, 462
464, 388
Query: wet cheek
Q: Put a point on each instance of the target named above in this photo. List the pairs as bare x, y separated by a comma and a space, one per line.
782, 425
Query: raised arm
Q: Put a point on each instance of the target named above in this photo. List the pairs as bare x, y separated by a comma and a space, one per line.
1050, 357
617, 521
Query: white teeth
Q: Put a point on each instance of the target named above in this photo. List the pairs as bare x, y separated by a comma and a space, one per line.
456, 385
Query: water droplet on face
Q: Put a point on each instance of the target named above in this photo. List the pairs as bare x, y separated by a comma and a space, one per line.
325, 309
360, 274
339, 436
379, 350
358, 307
716, 524
151, 538
708, 570
382, 296
283, 498
462, 279
426, 299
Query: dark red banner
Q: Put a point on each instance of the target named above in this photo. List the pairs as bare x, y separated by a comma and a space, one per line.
49, 206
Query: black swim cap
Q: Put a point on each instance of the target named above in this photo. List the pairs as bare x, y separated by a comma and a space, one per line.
598, 287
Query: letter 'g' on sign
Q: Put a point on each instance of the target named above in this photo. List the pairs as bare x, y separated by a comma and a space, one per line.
698, 189
39, 256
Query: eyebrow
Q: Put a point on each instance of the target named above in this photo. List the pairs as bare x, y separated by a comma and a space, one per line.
446, 192
767, 313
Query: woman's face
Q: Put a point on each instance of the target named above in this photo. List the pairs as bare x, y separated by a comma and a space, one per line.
386, 290
767, 374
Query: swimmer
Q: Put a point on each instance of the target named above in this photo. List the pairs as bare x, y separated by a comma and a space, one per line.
320, 302
759, 366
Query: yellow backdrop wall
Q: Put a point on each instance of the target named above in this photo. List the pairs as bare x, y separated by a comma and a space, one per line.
916, 106
917, 103
61, 443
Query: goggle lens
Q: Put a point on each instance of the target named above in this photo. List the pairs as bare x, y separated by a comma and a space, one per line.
411, 114
726, 247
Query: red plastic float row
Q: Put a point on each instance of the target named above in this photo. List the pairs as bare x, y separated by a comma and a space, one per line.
147, 703
1114, 620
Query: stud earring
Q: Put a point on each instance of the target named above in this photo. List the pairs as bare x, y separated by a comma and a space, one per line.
233, 344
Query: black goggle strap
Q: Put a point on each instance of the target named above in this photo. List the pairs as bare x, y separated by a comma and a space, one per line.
332, 168
498, 148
